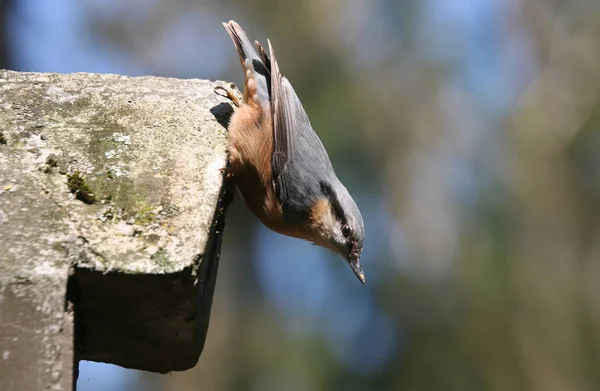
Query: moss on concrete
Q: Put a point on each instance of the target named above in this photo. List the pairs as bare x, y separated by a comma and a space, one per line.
144, 152
78, 186
161, 259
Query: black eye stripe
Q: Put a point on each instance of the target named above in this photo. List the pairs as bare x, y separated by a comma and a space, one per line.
338, 211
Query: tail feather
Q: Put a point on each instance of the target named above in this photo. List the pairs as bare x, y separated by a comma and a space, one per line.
243, 45
263, 55
256, 65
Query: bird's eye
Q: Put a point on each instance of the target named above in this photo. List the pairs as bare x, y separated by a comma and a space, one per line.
345, 230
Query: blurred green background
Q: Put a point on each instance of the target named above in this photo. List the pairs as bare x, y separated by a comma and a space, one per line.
468, 132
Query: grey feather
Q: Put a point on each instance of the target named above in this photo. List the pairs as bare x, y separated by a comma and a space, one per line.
298, 154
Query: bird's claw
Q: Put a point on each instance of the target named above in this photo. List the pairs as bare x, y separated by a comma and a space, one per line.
227, 94
227, 171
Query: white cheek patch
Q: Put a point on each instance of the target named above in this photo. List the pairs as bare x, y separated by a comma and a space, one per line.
330, 232
331, 225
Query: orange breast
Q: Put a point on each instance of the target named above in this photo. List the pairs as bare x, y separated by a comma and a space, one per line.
250, 150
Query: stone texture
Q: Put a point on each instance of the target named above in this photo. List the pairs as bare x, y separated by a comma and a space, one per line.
111, 204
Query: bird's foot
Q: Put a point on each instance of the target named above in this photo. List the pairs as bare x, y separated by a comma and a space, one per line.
225, 93
228, 172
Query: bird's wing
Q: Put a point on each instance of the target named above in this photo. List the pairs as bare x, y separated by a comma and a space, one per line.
283, 109
299, 162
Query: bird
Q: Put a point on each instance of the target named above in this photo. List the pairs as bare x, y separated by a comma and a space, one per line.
279, 164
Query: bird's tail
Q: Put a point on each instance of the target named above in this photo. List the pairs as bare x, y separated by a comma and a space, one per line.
253, 59
243, 45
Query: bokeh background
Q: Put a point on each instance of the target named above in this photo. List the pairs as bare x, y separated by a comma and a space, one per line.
469, 133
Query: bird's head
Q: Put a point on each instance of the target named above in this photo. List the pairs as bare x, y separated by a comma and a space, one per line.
336, 224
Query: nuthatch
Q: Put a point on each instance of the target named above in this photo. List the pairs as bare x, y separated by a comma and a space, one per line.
279, 163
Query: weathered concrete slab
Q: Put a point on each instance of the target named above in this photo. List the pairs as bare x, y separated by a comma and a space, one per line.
36, 328
114, 181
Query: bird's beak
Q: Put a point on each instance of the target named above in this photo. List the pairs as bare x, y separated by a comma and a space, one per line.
357, 269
